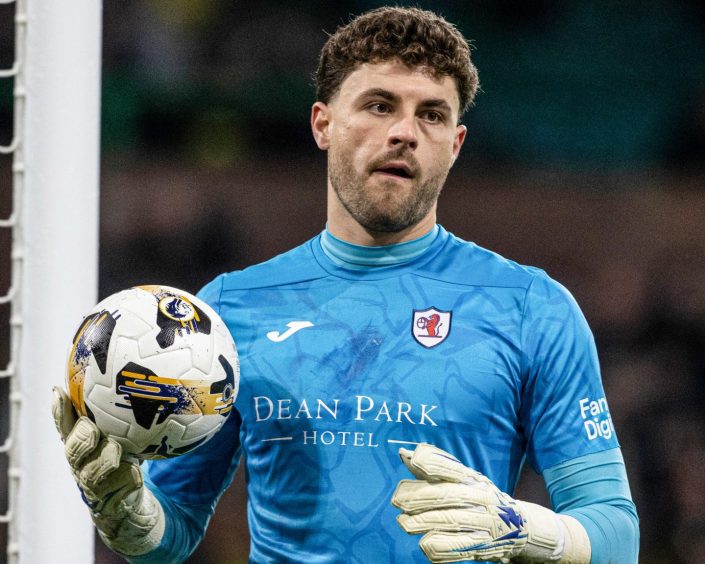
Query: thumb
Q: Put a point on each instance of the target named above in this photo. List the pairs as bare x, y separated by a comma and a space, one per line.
64, 415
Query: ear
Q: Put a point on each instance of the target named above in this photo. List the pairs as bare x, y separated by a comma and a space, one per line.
320, 123
460, 133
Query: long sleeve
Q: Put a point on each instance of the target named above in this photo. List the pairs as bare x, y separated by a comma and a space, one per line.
594, 490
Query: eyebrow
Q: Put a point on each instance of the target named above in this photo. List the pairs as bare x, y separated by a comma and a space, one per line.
438, 103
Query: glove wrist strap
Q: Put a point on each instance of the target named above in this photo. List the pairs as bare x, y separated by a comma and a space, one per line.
577, 543
545, 536
553, 537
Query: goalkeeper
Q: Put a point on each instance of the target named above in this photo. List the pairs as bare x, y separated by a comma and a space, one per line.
386, 331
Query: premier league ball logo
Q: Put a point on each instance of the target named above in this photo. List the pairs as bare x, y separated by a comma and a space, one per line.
431, 326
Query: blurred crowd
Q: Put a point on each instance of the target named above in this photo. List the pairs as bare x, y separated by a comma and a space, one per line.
586, 157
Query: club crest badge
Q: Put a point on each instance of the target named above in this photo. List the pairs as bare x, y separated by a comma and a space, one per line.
431, 326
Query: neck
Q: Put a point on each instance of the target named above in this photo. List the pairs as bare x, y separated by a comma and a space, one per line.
342, 225
359, 257
359, 235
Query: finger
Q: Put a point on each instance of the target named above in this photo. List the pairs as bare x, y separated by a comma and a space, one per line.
102, 461
125, 478
415, 496
81, 441
451, 520
433, 465
457, 547
405, 454
62, 409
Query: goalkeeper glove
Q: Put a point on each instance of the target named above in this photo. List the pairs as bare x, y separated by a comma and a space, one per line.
464, 516
128, 517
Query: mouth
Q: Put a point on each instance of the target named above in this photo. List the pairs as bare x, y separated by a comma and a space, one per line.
395, 169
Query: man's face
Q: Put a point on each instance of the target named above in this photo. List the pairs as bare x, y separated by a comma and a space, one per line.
391, 133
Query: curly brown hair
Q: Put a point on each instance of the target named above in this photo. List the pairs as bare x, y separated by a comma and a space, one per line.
415, 37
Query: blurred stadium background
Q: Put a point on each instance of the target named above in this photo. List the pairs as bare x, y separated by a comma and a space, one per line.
586, 157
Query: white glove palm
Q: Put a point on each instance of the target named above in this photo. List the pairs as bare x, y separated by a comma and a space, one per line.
128, 517
464, 516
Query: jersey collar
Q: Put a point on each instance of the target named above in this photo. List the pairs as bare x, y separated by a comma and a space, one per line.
347, 260
360, 257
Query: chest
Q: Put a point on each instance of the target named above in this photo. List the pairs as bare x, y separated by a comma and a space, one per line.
408, 351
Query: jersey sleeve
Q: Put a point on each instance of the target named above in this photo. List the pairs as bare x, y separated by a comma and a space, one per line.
564, 411
594, 489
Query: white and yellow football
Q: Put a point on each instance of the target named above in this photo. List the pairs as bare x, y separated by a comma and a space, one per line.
156, 369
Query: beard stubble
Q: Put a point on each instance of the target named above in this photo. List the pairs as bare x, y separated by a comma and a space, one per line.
385, 207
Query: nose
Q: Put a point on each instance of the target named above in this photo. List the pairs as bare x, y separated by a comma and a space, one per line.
403, 132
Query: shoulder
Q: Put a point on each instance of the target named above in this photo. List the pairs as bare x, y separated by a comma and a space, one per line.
292, 267
464, 262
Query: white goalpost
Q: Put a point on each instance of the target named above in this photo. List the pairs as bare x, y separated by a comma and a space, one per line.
54, 260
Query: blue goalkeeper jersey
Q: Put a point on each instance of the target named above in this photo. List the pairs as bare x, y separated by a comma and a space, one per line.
340, 366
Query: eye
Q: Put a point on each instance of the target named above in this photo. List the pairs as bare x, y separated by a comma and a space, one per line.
379, 108
432, 116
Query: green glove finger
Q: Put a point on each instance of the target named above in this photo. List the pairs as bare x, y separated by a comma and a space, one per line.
81, 441
103, 461
64, 415
124, 480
